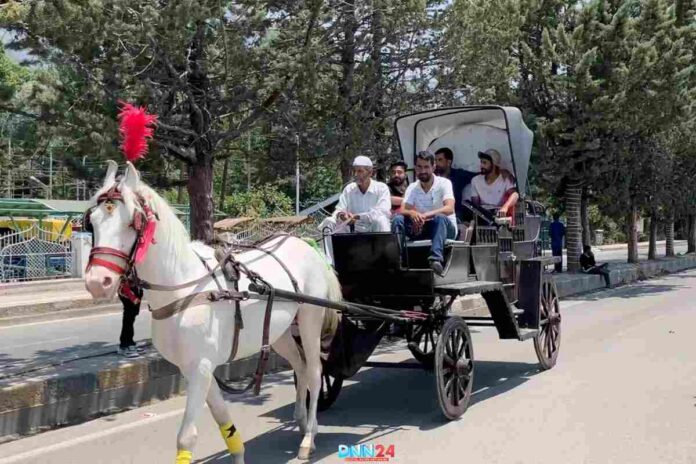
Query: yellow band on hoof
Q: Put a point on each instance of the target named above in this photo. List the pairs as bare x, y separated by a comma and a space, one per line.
183, 457
232, 438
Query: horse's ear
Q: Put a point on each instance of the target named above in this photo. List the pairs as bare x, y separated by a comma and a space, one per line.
132, 178
111, 168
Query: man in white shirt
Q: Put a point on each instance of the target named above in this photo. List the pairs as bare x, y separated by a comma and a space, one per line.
428, 211
364, 205
492, 188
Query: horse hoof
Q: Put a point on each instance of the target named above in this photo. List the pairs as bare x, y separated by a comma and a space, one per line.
304, 453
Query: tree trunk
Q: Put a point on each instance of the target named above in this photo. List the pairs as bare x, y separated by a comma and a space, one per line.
585, 218
669, 235
200, 183
573, 194
632, 233
200, 190
345, 89
652, 248
691, 236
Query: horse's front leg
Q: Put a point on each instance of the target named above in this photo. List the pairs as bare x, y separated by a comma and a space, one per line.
229, 431
198, 376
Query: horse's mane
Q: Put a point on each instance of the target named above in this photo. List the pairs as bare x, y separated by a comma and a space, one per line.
168, 221
168, 224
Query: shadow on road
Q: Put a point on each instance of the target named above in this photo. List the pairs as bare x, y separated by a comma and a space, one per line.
44, 358
377, 405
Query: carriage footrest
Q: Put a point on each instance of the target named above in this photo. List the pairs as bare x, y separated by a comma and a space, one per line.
526, 334
468, 288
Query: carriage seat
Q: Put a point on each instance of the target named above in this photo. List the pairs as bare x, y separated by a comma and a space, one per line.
423, 243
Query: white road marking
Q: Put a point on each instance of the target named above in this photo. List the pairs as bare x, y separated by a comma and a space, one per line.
43, 342
92, 436
70, 319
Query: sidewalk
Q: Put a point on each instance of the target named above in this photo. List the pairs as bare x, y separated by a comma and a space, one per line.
77, 390
622, 246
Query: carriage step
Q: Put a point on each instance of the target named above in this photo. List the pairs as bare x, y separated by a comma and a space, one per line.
526, 334
468, 288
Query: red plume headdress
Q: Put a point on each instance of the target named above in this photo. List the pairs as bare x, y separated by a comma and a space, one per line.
135, 129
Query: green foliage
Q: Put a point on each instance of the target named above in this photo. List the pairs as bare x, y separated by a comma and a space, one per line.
262, 201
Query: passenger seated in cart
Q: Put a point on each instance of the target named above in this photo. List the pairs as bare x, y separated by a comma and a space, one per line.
494, 188
460, 178
364, 205
398, 182
428, 211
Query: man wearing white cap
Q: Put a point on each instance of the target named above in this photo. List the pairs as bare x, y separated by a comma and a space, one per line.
364, 204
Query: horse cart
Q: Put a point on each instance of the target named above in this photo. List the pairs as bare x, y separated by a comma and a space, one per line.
386, 286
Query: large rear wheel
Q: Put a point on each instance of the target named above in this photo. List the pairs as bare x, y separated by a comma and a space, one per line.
548, 342
454, 367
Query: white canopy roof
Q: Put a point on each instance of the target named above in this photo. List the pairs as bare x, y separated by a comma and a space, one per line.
466, 131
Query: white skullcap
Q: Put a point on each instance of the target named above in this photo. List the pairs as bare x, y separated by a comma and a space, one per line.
362, 161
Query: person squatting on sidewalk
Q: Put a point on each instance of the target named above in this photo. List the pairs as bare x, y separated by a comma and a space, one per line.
589, 266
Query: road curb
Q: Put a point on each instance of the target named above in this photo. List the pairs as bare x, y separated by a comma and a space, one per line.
569, 284
84, 389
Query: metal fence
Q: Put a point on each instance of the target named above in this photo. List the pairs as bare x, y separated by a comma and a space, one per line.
35, 253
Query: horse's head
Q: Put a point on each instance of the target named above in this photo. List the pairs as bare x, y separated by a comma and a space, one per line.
120, 221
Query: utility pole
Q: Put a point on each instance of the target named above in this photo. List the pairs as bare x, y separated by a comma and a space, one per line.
8, 185
297, 174
50, 173
248, 164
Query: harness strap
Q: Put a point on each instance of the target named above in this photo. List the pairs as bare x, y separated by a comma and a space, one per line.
195, 299
295, 285
107, 264
165, 288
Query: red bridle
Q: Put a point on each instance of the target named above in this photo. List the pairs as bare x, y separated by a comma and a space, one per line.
140, 224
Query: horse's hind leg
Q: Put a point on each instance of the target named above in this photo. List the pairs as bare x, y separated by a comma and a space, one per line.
198, 378
310, 320
222, 416
286, 347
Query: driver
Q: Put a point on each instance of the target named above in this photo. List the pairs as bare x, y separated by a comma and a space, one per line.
492, 189
364, 205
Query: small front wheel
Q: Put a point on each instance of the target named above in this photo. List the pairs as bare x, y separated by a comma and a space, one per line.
454, 367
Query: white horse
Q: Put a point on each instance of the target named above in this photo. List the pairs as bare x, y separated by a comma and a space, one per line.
200, 337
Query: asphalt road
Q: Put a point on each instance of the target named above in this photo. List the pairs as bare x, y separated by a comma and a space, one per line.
623, 391
28, 345
25, 346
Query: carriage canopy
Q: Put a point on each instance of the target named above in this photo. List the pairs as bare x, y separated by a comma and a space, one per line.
466, 131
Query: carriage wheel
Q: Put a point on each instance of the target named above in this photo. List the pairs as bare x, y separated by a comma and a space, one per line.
330, 388
548, 341
454, 368
422, 339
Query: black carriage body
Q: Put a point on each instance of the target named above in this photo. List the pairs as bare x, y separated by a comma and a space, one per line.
502, 261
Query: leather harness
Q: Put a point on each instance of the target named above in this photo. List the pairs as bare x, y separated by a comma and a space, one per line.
129, 279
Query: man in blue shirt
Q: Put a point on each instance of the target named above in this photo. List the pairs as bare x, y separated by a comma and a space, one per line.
459, 177
557, 232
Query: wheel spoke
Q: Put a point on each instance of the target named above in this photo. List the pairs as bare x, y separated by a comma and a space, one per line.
455, 391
